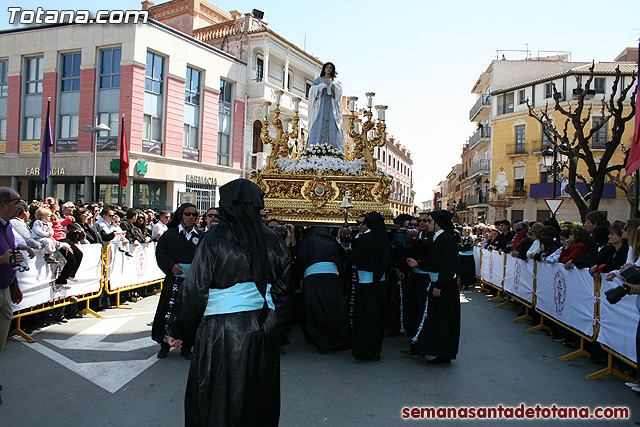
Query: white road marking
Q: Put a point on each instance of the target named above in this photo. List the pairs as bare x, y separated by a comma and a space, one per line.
111, 375
91, 338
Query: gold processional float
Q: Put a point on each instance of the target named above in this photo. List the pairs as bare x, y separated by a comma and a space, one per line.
319, 184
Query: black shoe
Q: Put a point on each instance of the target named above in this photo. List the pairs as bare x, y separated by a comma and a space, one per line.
439, 361
394, 334
186, 354
164, 351
322, 351
558, 339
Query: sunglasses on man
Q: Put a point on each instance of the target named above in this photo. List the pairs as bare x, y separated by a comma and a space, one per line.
213, 216
190, 213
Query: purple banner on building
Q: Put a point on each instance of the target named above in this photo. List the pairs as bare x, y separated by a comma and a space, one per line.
545, 190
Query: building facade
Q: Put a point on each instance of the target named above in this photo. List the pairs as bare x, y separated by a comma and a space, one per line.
190, 103
514, 141
395, 160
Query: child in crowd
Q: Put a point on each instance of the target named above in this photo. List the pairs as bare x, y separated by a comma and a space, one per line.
42, 231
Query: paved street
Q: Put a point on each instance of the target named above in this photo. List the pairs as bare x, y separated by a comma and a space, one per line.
104, 372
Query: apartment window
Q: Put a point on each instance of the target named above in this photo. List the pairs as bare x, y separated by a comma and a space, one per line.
224, 123
4, 90
111, 120
4, 82
505, 103
290, 81
600, 137
110, 68
151, 128
548, 90
154, 73
70, 76
545, 177
522, 96
68, 126
259, 68
598, 84
307, 89
192, 87
190, 137
520, 137
33, 81
31, 128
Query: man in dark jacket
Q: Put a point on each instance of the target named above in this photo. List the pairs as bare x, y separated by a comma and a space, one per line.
174, 253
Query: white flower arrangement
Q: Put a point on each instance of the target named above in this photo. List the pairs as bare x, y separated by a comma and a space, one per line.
314, 163
322, 150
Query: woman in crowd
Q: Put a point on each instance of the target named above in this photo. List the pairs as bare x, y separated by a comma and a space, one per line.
535, 235
467, 265
576, 245
84, 222
614, 256
601, 250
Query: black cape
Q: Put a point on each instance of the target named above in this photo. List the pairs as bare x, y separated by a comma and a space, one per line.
440, 333
325, 311
235, 370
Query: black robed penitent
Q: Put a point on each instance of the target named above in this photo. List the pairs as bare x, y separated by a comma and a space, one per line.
325, 310
234, 377
440, 333
173, 248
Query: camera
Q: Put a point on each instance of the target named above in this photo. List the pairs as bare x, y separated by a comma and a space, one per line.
630, 275
15, 264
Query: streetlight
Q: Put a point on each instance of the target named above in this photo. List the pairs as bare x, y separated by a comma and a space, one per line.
95, 129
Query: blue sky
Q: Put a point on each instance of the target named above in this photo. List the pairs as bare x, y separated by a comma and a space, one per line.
421, 58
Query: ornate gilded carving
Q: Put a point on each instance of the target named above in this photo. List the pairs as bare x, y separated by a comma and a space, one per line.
316, 195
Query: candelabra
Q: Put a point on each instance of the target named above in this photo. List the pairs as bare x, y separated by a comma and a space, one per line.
359, 131
279, 144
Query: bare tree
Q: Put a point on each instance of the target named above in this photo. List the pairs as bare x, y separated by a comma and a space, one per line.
574, 140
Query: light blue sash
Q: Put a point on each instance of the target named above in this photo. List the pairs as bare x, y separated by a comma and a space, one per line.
239, 297
433, 276
324, 267
367, 276
466, 253
418, 271
185, 268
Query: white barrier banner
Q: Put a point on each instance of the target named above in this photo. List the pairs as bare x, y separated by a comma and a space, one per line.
566, 295
38, 285
498, 269
141, 267
477, 255
518, 278
618, 322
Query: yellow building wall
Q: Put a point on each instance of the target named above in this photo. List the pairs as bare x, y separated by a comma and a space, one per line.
504, 138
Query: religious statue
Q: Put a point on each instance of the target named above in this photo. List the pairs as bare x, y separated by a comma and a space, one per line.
501, 184
325, 109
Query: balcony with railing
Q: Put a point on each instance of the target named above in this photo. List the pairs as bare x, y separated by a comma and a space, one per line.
482, 104
482, 134
481, 166
516, 149
478, 199
518, 192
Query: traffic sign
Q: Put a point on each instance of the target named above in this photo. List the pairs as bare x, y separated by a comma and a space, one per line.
553, 204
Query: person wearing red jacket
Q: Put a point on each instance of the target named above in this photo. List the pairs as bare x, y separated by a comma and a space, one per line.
576, 246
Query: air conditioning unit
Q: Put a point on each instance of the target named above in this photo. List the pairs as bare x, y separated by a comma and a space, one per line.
257, 161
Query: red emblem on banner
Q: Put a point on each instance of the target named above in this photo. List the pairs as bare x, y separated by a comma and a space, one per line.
559, 291
516, 276
140, 260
